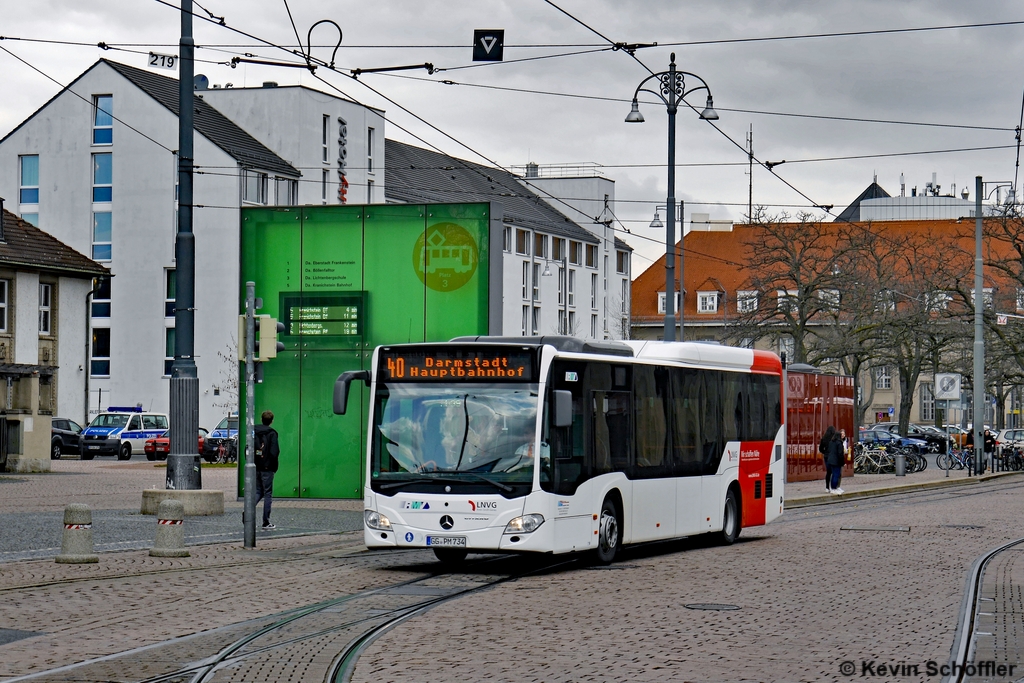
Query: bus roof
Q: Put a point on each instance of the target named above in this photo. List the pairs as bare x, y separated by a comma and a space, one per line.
727, 357
560, 342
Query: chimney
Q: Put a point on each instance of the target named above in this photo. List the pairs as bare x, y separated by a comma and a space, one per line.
531, 170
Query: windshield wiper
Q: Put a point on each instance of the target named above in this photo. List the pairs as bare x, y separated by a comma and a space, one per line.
444, 480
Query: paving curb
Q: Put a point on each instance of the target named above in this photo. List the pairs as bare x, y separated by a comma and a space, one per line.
809, 501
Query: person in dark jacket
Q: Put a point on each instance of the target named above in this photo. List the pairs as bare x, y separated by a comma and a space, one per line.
823, 445
265, 459
990, 448
834, 458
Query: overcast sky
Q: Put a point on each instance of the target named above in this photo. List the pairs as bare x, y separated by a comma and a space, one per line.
963, 76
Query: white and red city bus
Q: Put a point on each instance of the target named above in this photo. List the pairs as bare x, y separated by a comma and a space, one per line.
557, 445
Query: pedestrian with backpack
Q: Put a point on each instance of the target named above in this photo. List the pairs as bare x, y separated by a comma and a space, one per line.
823, 446
266, 452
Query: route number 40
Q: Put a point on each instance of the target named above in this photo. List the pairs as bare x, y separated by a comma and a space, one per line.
163, 61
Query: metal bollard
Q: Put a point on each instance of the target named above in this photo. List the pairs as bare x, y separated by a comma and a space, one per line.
76, 544
170, 530
901, 465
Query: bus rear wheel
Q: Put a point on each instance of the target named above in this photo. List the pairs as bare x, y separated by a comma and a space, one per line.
730, 519
609, 538
450, 557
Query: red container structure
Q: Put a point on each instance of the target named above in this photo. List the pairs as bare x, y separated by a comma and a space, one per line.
813, 402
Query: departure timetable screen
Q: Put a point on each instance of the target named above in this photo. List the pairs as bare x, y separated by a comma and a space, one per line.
457, 364
339, 315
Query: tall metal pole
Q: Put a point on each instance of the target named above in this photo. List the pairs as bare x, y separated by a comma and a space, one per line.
249, 512
183, 468
670, 225
979, 339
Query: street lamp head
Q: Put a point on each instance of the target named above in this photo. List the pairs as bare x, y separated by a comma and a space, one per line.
656, 223
634, 115
709, 113
547, 269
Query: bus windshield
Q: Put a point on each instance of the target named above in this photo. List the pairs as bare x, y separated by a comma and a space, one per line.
467, 433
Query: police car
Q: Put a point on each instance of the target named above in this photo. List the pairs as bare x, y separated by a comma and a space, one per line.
121, 431
222, 444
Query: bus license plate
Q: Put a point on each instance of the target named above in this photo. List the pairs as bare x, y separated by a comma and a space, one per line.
447, 541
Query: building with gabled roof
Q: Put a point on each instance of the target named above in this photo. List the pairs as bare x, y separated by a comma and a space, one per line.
560, 275
96, 167
44, 333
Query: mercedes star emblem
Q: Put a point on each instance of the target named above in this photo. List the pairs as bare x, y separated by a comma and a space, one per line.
447, 522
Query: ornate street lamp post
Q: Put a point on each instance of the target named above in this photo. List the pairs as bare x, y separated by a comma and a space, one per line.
671, 89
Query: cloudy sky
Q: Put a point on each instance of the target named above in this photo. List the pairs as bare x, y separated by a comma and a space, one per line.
962, 78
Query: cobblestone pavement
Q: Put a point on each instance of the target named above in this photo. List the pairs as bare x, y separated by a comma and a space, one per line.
815, 589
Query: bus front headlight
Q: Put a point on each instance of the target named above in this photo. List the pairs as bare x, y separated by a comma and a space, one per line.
524, 524
375, 520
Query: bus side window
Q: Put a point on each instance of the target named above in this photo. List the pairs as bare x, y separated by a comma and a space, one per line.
686, 421
564, 472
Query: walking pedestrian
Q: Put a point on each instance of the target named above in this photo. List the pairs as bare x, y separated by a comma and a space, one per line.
266, 452
846, 446
823, 445
990, 448
835, 457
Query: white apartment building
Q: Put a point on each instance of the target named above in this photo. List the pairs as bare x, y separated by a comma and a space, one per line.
95, 166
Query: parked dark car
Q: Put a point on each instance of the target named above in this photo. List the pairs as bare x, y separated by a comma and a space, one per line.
880, 437
937, 441
65, 438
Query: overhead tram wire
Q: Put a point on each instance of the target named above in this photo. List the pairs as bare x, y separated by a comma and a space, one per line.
84, 99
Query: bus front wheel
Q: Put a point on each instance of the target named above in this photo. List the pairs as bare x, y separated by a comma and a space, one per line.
609, 539
730, 519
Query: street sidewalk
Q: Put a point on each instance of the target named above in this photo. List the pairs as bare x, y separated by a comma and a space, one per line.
805, 493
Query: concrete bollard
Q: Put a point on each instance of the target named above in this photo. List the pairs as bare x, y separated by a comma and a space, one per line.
76, 545
170, 530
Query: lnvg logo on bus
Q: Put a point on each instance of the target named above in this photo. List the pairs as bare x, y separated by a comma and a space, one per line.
415, 505
445, 257
483, 505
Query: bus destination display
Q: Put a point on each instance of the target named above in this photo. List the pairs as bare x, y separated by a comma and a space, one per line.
457, 365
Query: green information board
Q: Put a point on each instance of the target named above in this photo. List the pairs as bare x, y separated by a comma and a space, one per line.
343, 280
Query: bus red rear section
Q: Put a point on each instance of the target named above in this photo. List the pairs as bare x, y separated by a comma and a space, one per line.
755, 480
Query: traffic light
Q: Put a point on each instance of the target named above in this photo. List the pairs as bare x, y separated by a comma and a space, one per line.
267, 345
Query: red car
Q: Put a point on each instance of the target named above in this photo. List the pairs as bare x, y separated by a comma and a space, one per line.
158, 448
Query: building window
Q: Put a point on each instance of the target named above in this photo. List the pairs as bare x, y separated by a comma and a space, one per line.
103, 120
561, 288
746, 301
29, 193
369, 150
526, 320
536, 320
561, 322
369, 192
4, 285
286, 191
927, 402
572, 287
325, 137
536, 282
32, 218
170, 292
593, 291
557, 249
939, 301
591, 256
885, 301
506, 235
829, 299
593, 326
101, 299
572, 323
986, 297
786, 300
622, 262
747, 343
523, 242
707, 302
661, 302
254, 187
540, 245
102, 236
787, 346
1020, 299
883, 377
575, 253
102, 177
526, 280
45, 306
99, 365
168, 351
625, 298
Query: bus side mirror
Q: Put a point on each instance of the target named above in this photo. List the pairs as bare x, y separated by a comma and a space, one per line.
563, 408
341, 388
